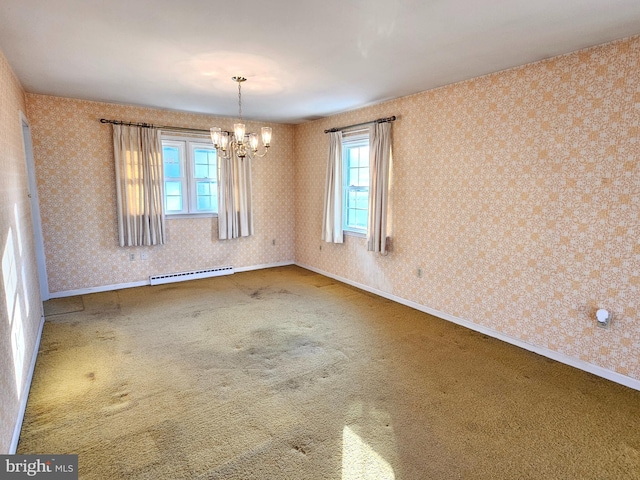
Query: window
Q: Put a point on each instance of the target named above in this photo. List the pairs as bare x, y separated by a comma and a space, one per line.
190, 177
355, 162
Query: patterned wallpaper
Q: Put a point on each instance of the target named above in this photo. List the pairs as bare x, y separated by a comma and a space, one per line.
517, 194
20, 306
76, 183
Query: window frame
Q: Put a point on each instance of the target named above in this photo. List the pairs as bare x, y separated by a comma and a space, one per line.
187, 147
351, 140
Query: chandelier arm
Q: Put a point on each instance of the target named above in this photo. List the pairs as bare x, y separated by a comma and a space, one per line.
223, 153
258, 155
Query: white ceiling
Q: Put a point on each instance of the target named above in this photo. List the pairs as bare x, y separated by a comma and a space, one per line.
303, 60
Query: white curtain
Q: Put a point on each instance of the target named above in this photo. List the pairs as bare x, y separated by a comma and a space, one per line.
139, 185
235, 209
379, 172
332, 216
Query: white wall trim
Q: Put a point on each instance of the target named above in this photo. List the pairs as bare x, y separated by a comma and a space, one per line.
120, 286
25, 392
103, 288
545, 352
264, 265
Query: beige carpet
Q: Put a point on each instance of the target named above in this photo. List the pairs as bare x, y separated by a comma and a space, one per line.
286, 374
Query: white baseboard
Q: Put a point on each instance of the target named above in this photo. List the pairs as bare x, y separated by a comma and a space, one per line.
120, 286
264, 265
545, 352
25, 393
103, 288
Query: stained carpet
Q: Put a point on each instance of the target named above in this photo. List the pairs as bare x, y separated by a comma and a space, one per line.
286, 374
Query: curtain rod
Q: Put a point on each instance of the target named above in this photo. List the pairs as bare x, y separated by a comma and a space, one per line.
161, 127
379, 120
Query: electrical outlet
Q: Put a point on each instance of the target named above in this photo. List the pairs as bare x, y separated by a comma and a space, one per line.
603, 318
419, 272
144, 255
132, 257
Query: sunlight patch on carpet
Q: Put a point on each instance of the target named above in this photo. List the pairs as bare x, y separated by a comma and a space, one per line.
360, 461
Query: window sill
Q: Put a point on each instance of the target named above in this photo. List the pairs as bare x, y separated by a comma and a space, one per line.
190, 215
352, 233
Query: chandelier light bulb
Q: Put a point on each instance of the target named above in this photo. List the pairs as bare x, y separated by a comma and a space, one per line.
266, 136
215, 136
253, 142
239, 130
224, 141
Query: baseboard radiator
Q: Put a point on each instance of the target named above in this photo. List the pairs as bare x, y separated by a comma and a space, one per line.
184, 276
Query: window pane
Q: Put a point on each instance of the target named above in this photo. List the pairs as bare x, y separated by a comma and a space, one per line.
354, 155
172, 189
171, 154
171, 158
174, 204
358, 177
204, 188
351, 217
201, 171
351, 199
362, 200
204, 156
171, 170
205, 163
357, 206
204, 202
361, 218
364, 156
363, 177
356, 218
206, 196
357, 165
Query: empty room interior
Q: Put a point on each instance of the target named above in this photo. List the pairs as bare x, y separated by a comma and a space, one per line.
336, 240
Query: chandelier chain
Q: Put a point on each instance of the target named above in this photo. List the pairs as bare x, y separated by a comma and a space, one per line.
240, 100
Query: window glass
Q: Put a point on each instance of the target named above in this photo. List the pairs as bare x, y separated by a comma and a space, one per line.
355, 157
171, 156
191, 176
173, 196
207, 195
205, 163
174, 204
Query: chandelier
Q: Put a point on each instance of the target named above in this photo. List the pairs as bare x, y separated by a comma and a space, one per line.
240, 142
